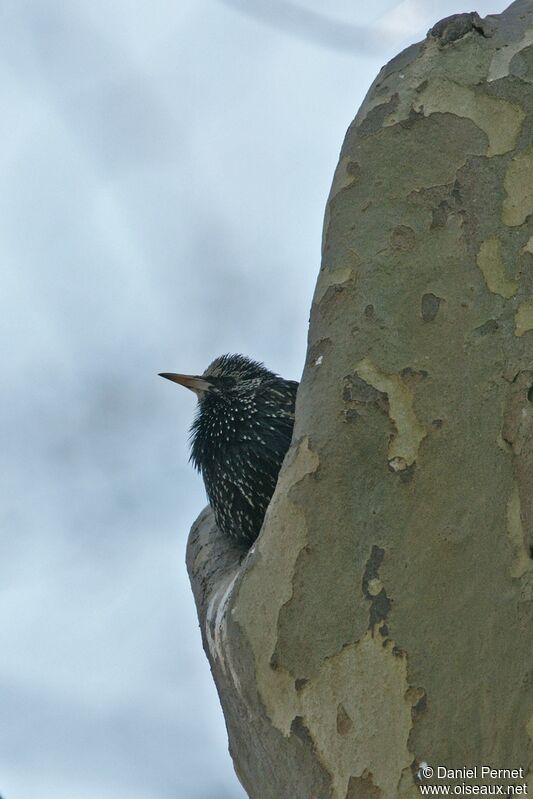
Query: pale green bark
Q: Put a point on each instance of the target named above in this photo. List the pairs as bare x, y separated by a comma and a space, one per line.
383, 618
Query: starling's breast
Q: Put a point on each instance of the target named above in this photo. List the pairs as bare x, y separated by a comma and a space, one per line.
239, 443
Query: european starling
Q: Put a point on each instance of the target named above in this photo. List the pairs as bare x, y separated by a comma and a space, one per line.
240, 435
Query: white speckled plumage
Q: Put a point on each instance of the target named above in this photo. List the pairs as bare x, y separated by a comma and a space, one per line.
242, 430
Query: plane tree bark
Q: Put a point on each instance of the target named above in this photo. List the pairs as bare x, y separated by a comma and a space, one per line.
383, 618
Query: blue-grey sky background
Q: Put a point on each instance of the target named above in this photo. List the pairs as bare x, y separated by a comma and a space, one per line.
164, 169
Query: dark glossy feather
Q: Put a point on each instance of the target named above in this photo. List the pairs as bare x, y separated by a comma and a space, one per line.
242, 430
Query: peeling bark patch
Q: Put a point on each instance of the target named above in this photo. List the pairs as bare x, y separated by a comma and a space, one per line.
363, 787
403, 238
407, 474
412, 374
373, 588
357, 390
327, 279
440, 214
497, 118
420, 707
524, 318
518, 184
403, 449
501, 60
299, 729
372, 566
346, 173
358, 393
344, 722
371, 684
376, 100
490, 261
418, 701
528, 247
379, 609
376, 116
521, 560
490, 326
517, 431
429, 306
521, 65
351, 415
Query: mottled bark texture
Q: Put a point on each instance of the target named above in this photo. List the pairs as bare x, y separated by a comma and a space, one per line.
383, 616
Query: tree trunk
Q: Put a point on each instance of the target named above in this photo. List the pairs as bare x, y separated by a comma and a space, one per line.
382, 618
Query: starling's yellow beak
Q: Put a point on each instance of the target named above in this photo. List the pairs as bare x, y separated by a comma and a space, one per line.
192, 382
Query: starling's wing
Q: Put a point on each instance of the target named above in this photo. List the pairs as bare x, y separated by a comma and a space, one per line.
261, 455
255, 468
241, 481
277, 408
248, 510
239, 489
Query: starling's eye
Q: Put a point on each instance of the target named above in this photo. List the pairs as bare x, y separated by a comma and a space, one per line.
223, 383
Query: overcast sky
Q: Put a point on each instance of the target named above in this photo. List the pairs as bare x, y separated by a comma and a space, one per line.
164, 170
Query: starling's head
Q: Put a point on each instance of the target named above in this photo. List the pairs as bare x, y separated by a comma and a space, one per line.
240, 434
224, 375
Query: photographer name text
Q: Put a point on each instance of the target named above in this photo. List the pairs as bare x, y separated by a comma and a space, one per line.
478, 772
